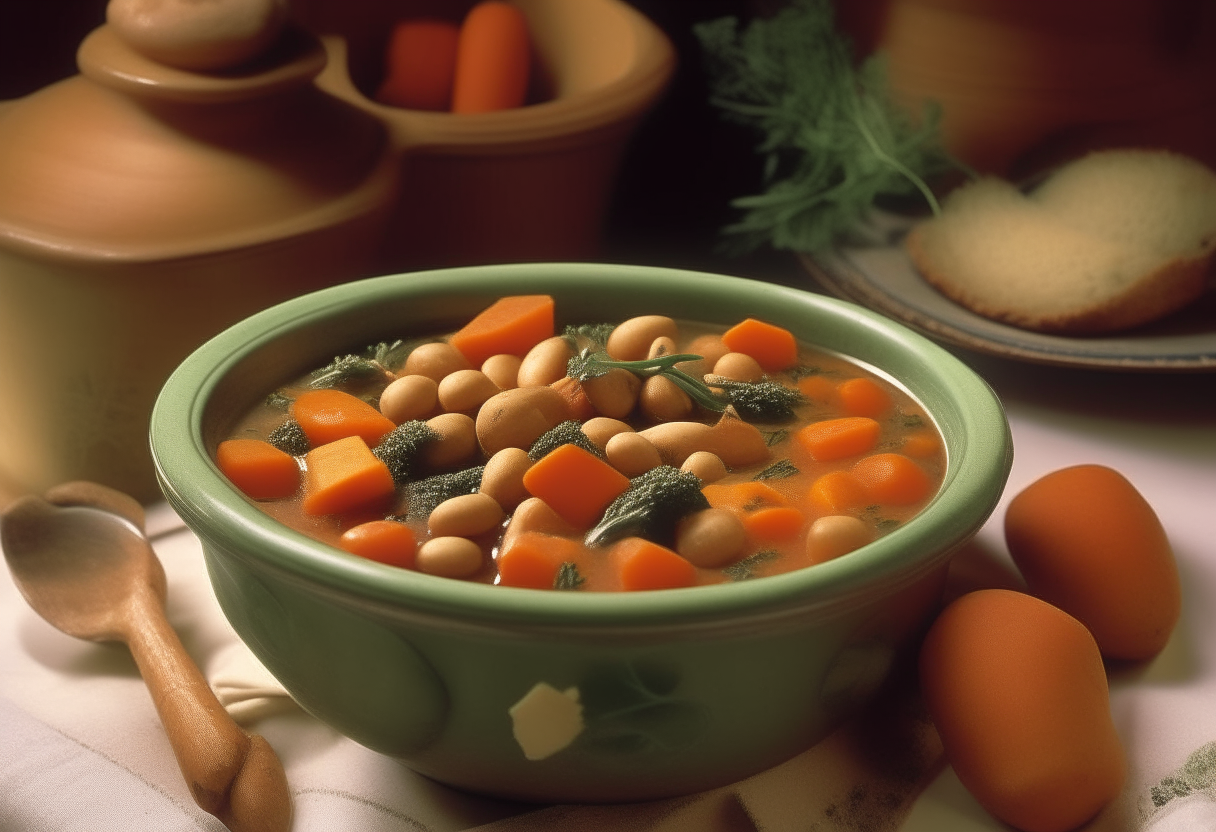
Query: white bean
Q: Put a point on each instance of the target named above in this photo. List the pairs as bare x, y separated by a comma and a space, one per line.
409, 397
449, 557
631, 339
457, 442
835, 535
465, 390
503, 370
613, 394
545, 363
631, 454
435, 360
706, 466
467, 515
710, 348
503, 478
516, 418
738, 366
662, 400
710, 537
534, 515
599, 429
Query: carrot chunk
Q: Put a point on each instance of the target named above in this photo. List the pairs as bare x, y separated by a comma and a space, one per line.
420, 65
511, 325
863, 397
834, 439
329, 415
642, 564
773, 347
921, 444
742, 497
772, 524
493, 59
534, 558
575, 483
343, 475
384, 541
892, 479
259, 469
837, 492
575, 394
816, 388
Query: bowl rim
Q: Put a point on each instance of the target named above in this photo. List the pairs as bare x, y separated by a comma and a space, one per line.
979, 455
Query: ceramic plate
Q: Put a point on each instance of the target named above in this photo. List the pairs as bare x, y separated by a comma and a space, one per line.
874, 270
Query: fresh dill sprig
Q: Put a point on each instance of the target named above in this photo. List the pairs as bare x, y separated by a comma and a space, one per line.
569, 432
377, 362
650, 507
833, 141
743, 570
279, 401
401, 447
425, 494
582, 336
759, 400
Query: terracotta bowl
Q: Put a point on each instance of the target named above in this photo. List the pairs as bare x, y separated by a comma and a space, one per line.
681, 690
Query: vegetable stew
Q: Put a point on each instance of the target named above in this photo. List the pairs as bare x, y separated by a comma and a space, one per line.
654, 453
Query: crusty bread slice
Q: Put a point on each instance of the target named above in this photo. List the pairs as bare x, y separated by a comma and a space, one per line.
1111, 241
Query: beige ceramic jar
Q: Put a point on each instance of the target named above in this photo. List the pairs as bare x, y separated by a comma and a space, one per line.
145, 207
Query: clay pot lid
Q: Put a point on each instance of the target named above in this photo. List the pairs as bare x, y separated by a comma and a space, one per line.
136, 160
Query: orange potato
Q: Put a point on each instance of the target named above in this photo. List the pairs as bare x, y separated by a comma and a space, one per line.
1018, 693
1088, 542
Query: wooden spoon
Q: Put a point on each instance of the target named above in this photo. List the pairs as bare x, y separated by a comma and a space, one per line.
90, 572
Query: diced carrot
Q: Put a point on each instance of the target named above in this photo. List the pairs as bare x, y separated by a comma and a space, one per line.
575, 483
772, 524
816, 388
892, 479
839, 438
838, 492
493, 59
329, 415
643, 564
921, 444
420, 65
576, 398
863, 397
385, 541
511, 325
773, 347
533, 559
743, 496
259, 469
344, 475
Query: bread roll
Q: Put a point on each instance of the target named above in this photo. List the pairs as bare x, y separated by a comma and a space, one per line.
1108, 242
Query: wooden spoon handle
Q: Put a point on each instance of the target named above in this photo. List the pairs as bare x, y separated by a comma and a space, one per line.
232, 775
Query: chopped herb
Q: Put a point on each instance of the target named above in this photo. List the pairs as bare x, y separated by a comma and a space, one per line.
400, 448
745, 569
886, 524
801, 371
776, 437
911, 420
425, 494
568, 576
569, 432
377, 362
583, 336
278, 401
833, 141
759, 400
290, 438
780, 469
651, 506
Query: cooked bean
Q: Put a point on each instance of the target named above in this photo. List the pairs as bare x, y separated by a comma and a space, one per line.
465, 516
707, 466
600, 429
631, 339
631, 454
534, 515
503, 370
465, 390
545, 363
663, 345
503, 478
738, 366
835, 535
662, 400
516, 418
435, 360
710, 348
409, 397
736, 442
457, 442
449, 557
711, 537
613, 394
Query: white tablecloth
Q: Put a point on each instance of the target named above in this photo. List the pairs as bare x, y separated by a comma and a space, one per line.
81, 747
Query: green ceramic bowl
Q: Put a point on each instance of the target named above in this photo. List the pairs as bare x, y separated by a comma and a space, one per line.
680, 690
